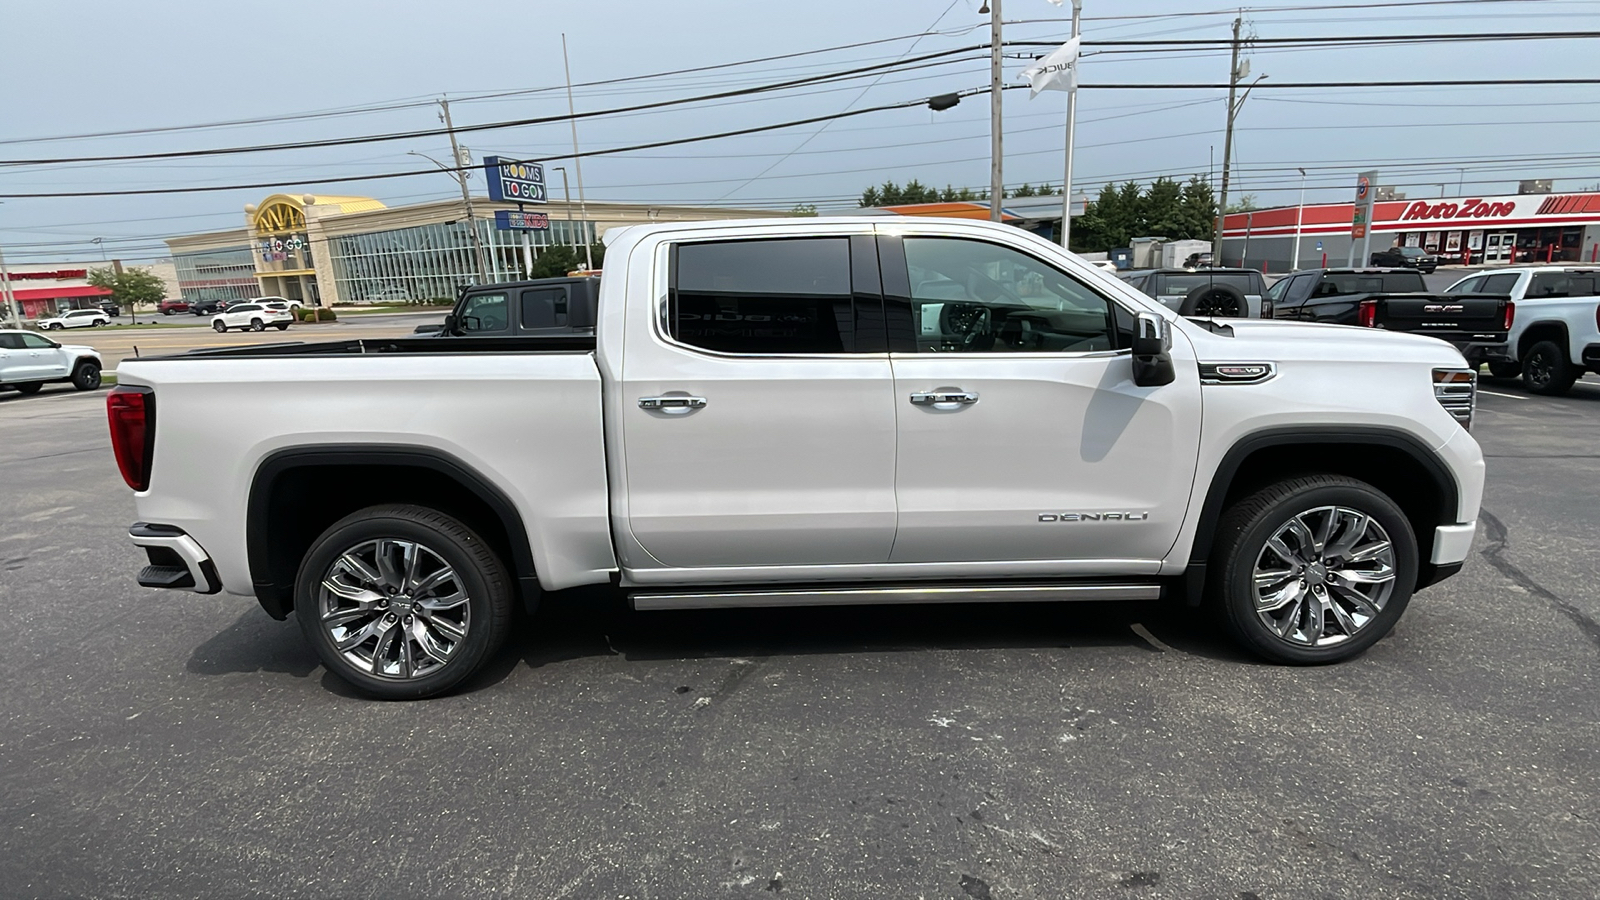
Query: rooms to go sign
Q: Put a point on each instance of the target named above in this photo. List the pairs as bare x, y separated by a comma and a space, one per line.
514, 181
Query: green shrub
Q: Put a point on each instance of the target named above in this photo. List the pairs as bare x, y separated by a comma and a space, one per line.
316, 314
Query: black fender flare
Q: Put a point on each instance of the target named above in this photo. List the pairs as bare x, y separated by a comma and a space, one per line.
277, 597
1222, 479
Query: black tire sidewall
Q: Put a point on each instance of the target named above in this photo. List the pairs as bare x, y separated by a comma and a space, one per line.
482, 635
86, 377
1235, 585
219, 328
1561, 374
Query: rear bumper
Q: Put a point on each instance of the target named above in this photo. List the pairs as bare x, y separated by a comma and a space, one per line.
177, 561
1591, 357
1484, 351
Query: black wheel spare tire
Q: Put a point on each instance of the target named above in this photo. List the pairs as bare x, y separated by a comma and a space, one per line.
1215, 301
402, 601
1545, 369
1313, 569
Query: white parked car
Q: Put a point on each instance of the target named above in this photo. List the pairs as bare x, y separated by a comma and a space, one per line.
76, 318
822, 411
29, 361
1555, 325
284, 301
253, 315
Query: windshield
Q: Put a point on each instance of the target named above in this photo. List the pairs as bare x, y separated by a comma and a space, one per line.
1244, 282
1412, 252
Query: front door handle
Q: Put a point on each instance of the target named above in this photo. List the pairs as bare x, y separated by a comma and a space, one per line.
935, 398
677, 402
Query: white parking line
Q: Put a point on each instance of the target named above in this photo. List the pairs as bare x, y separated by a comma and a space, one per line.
1498, 394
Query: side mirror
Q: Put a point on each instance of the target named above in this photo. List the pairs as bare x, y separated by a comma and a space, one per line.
449, 324
1152, 343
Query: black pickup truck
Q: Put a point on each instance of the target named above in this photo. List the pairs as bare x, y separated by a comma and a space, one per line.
539, 308
1396, 300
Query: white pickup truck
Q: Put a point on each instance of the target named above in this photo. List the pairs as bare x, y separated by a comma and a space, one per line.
810, 411
1555, 324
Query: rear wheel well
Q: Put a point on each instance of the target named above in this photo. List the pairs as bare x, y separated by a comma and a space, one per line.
292, 504
1544, 331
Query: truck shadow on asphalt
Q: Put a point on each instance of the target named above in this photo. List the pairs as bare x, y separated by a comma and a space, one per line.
586, 623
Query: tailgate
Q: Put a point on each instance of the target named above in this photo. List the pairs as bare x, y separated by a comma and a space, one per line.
1461, 318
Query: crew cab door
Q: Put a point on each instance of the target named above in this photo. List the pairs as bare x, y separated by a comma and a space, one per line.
44, 358
756, 406
1021, 433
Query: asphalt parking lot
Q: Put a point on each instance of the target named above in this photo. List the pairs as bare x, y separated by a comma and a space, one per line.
176, 745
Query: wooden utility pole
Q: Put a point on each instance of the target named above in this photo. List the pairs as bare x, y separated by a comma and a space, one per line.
466, 196
1227, 145
997, 183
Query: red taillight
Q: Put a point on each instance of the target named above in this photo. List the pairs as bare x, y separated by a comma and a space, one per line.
132, 413
1511, 313
1368, 314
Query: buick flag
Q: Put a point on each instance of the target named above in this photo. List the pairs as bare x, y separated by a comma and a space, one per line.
1056, 72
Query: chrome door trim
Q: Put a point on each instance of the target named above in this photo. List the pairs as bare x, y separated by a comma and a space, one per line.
1015, 593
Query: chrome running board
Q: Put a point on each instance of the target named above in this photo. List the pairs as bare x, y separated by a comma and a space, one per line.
1003, 593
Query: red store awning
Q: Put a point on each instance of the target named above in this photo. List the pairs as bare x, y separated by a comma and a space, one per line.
60, 293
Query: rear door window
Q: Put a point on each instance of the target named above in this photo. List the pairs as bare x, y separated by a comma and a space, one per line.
1504, 283
545, 308
780, 296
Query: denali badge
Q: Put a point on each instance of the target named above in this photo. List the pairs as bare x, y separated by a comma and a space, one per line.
1095, 517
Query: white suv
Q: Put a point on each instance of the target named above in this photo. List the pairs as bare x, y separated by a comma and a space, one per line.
1555, 329
76, 318
253, 315
29, 361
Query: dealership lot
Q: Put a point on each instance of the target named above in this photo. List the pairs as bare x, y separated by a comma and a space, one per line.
171, 744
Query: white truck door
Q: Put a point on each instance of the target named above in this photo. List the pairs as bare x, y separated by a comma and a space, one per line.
757, 409
1021, 433
12, 357
45, 358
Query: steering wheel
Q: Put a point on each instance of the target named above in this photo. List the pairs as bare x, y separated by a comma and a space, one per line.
964, 322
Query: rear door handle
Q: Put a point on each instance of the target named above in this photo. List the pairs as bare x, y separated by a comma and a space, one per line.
933, 398
678, 402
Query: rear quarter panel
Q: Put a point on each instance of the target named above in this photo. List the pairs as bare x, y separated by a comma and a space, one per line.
528, 423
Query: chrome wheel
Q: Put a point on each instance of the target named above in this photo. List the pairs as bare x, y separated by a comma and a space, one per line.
394, 608
1323, 576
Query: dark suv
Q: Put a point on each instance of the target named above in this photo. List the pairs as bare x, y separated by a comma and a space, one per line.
1233, 293
1407, 258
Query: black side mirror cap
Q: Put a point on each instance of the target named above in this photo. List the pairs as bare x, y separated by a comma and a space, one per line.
1152, 345
449, 324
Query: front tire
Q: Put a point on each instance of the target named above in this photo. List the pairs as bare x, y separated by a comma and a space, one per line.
86, 377
1545, 369
403, 602
257, 325
1313, 570
166, 312
283, 326
219, 327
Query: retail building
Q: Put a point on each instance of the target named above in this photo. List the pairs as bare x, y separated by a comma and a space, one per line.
1513, 228
321, 250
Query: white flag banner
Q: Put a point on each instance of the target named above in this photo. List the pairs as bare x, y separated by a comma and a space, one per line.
1056, 72
1056, 2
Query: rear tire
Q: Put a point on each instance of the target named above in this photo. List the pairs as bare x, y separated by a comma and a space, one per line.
86, 377
1545, 369
402, 638
283, 327
1313, 570
219, 327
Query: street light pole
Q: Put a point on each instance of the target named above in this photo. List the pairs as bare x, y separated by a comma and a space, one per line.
577, 160
1299, 216
566, 190
997, 184
466, 195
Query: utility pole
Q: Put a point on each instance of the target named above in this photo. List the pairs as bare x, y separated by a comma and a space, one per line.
997, 183
1227, 144
10, 298
1072, 126
466, 195
1299, 216
577, 161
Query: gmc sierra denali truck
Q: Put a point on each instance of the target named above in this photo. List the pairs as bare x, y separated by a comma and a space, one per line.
799, 412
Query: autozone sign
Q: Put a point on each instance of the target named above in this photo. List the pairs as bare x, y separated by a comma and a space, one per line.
1458, 209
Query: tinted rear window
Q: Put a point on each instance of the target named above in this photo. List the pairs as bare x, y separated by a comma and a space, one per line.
763, 296
1371, 283
1562, 284
1244, 282
544, 308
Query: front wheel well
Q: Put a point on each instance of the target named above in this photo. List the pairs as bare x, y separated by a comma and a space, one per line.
1399, 466
294, 500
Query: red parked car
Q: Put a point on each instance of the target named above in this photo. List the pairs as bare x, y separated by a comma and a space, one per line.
168, 307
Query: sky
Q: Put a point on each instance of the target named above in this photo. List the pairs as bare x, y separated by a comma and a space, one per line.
363, 67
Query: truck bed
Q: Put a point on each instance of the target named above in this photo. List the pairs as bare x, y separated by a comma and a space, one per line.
578, 343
